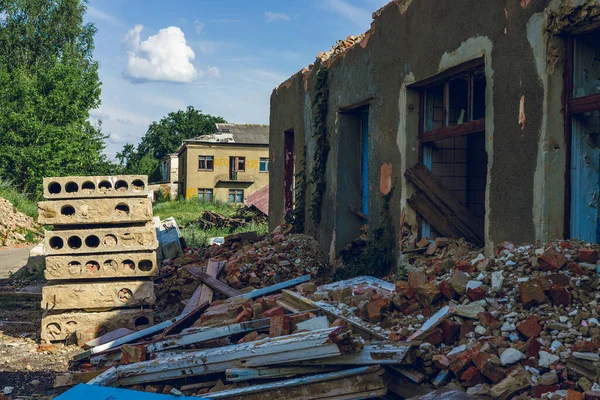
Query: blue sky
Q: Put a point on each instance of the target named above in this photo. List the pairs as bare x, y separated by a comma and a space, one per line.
223, 57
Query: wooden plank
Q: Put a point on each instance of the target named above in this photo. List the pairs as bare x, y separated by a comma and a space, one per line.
374, 354
75, 378
199, 385
194, 300
358, 326
448, 132
432, 322
246, 374
410, 373
212, 282
276, 288
22, 295
186, 320
356, 383
456, 213
584, 104
212, 269
421, 203
402, 386
271, 351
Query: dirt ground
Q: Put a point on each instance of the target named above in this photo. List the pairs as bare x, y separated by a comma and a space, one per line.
13, 258
22, 366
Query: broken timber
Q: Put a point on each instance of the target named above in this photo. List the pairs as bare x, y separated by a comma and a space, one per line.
450, 209
270, 351
246, 374
186, 320
203, 293
374, 354
212, 282
357, 383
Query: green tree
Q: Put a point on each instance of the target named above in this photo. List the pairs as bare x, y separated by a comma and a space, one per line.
48, 84
164, 137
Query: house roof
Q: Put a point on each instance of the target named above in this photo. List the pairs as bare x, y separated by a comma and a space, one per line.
235, 134
260, 199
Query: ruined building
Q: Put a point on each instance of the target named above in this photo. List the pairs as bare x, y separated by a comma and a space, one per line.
499, 100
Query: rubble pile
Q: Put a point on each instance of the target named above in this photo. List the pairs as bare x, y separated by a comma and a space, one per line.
341, 46
15, 225
525, 320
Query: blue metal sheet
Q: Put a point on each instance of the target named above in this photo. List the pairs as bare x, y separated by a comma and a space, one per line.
93, 392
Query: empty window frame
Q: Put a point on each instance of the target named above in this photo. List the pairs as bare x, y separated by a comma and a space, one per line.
236, 196
264, 165
237, 163
582, 133
205, 194
206, 163
452, 137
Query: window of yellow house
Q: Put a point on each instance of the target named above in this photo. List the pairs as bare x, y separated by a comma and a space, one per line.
264, 165
205, 194
206, 163
241, 163
236, 196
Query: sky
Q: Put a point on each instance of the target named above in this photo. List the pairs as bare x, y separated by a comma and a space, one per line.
223, 57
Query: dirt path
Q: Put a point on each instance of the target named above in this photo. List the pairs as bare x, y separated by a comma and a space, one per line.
13, 258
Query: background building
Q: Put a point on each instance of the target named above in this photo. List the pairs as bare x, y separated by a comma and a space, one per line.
227, 166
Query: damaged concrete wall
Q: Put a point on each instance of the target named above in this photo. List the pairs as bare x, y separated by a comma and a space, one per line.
524, 55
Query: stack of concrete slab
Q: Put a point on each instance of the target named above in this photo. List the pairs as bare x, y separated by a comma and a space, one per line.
100, 256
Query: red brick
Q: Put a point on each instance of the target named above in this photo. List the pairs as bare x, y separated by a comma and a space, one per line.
273, 312
443, 241
466, 266
531, 294
46, 347
376, 307
440, 361
551, 260
471, 377
592, 395
411, 308
298, 318
538, 391
559, 279
450, 332
465, 328
280, 326
560, 296
530, 328
568, 385
489, 365
434, 338
532, 348
249, 337
427, 294
423, 242
587, 255
574, 395
488, 321
462, 361
575, 269
587, 345
416, 279
245, 315
477, 294
446, 290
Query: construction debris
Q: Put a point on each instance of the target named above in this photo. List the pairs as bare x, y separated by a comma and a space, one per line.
16, 227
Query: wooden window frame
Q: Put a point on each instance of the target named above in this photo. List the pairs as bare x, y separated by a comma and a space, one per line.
235, 192
204, 192
266, 160
573, 106
206, 162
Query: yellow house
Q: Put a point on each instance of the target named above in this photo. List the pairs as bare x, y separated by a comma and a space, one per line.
227, 166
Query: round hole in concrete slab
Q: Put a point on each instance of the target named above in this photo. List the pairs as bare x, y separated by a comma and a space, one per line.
138, 185
56, 243
122, 208
125, 295
71, 187
88, 187
105, 186
92, 241
74, 268
54, 188
127, 265
92, 266
67, 210
53, 329
145, 265
121, 186
110, 265
109, 240
74, 242
141, 321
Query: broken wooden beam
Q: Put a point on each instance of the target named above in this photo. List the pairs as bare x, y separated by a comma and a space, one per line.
452, 210
276, 288
212, 282
373, 354
424, 206
270, 351
203, 293
186, 320
246, 374
356, 383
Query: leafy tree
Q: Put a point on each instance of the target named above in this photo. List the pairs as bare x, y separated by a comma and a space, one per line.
48, 84
164, 137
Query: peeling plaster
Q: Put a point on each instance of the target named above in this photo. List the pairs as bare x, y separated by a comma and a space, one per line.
403, 6
522, 112
385, 178
401, 135
469, 50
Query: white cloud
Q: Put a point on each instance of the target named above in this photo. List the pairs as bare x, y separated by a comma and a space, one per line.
274, 16
213, 72
95, 14
359, 16
162, 57
199, 27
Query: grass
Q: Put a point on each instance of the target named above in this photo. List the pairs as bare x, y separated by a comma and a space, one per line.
21, 201
187, 212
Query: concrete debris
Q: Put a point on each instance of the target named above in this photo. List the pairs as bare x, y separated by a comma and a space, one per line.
16, 227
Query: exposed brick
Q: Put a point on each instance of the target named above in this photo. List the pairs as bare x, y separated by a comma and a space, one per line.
488, 321
551, 260
575, 269
462, 361
273, 312
375, 308
450, 332
46, 347
297, 318
443, 241
466, 266
531, 294
249, 337
592, 395
530, 328
440, 361
532, 348
477, 294
434, 338
574, 395
427, 294
489, 365
560, 296
431, 249
587, 255
416, 279
424, 242
280, 326
559, 279
471, 377
465, 328
538, 391
446, 290
132, 354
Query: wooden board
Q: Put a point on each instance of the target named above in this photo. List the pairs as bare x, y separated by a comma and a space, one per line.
421, 203
212, 282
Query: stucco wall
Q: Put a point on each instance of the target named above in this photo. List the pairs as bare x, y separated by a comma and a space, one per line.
249, 180
408, 42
